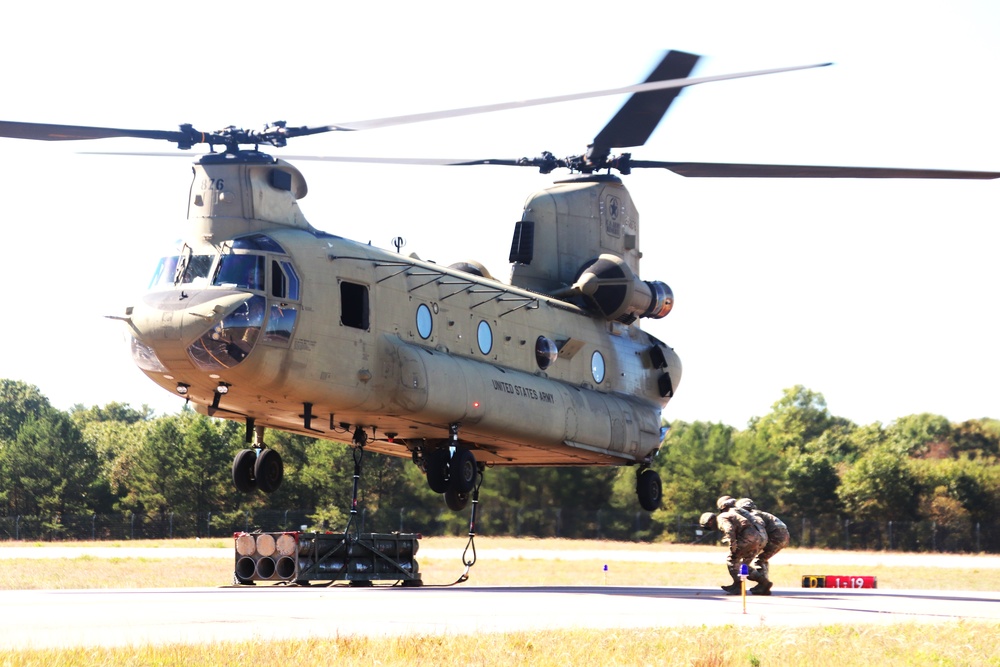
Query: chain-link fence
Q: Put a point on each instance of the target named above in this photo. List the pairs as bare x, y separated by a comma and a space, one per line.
830, 532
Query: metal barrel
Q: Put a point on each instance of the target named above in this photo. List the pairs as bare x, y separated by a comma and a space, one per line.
265, 568
285, 567
245, 568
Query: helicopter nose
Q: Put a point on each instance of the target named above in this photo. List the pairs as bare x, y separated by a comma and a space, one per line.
166, 325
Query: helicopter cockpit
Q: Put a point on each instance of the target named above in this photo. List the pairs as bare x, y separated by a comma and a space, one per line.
257, 269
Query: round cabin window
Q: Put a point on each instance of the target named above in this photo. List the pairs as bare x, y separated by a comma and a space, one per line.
425, 324
597, 367
545, 352
485, 335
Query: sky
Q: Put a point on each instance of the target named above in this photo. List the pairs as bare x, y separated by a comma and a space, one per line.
879, 295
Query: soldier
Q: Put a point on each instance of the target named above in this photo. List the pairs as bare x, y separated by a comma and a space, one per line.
777, 539
746, 538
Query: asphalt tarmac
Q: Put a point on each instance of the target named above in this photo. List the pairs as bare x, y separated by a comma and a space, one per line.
193, 615
249, 614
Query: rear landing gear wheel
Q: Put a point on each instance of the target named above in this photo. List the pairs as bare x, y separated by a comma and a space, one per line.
243, 464
456, 500
269, 470
649, 489
463, 471
438, 473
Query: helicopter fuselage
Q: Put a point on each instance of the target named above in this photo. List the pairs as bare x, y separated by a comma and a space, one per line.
263, 318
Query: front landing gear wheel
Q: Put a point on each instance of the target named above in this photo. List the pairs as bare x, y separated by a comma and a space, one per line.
269, 470
243, 477
649, 489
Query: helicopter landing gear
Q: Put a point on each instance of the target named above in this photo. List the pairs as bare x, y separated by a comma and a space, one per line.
269, 470
453, 474
453, 471
437, 469
257, 468
456, 500
243, 464
649, 489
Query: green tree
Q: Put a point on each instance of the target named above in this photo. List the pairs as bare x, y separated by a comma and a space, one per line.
49, 469
18, 402
182, 466
921, 435
810, 486
978, 438
796, 419
693, 464
880, 486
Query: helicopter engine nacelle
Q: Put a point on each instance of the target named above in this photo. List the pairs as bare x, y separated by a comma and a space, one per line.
611, 287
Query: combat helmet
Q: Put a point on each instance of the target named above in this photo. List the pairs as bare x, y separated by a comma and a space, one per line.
707, 520
746, 504
725, 502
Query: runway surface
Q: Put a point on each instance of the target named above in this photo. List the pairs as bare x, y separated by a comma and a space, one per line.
123, 617
247, 614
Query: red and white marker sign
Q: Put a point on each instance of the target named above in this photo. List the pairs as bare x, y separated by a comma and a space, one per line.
838, 581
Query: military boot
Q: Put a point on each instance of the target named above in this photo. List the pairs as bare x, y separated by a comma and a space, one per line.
733, 589
763, 588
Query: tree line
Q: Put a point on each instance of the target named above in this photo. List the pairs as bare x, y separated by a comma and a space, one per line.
918, 481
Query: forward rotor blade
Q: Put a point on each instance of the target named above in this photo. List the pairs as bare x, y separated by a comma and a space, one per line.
724, 170
469, 111
642, 112
188, 136
47, 132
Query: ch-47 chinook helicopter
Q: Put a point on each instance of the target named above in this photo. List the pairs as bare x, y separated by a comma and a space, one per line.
262, 318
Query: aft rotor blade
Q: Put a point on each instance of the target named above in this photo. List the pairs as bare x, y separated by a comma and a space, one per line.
469, 111
642, 112
447, 162
724, 170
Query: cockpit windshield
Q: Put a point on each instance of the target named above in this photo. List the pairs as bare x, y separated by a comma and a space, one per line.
183, 269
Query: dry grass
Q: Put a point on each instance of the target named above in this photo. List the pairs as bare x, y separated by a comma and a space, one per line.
964, 643
160, 572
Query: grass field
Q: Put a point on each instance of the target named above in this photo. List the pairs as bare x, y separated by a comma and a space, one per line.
959, 643
552, 570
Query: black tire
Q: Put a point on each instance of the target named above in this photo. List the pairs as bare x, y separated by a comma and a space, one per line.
456, 500
269, 470
243, 475
463, 471
436, 467
649, 489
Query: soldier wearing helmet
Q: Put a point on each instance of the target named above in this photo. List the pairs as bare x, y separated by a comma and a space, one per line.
745, 536
777, 539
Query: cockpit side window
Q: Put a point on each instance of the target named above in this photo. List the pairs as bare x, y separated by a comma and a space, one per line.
284, 281
245, 271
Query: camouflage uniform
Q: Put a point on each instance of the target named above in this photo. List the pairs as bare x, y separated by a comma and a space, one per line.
777, 539
746, 538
